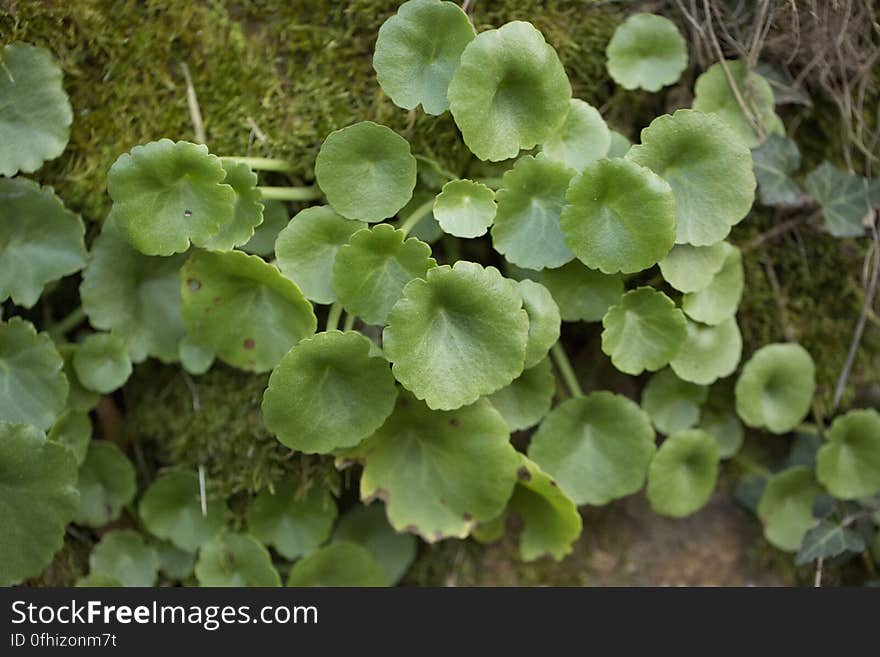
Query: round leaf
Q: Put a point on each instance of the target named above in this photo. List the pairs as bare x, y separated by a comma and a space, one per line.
848, 465
123, 556
275, 218
79, 399
418, 51
73, 430
510, 91
673, 404
465, 208
527, 400
619, 145
719, 300
691, 268
457, 335
328, 392
786, 507
37, 499
101, 362
171, 509
174, 562
235, 560
195, 358
339, 564
724, 426
683, 473
646, 52
247, 210
582, 294
776, 387
709, 353
366, 171
307, 247
368, 527
544, 320
596, 447
106, 484
583, 137
708, 168
619, 217
644, 331
243, 308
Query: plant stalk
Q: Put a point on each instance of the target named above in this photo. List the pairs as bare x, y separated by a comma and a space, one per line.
62, 326
262, 163
414, 217
290, 193
349, 322
333, 316
560, 358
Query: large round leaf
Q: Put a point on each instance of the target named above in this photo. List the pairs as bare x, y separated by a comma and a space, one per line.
848, 465
509, 93
417, 52
709, 353
644, 331
171, 509
583, 137
596, 447
167, 194
243, 308
673, 404
101, 362
530, 201
368, 527
35, 116
328, 392
582, 294
235, 560
342, 563
786, 507
123, 555
438, 472
366, 171
73, 430
683, 473
457, 335
40, 240
691, 268
371, 271
106, 484
708, 168
306, 249
31, 378
776, 387
646, 52
527, 400
247, 209
619, 217
37, 499
465, 208
544, 320
718, 301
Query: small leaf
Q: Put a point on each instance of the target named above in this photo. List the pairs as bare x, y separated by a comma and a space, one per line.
683, 473
719, 300
327, 393
106, 484
619, 217
691, 268
243, 308
673, 404
235, 560
368, 527
848, 464
173, 562
171, 509
247, 208
646, 52
341, 563
596, 447
509, 93
418, 51
775, 161
275, 218
196, 358
775, 387
644, 331
527, 400
709, 353
582, 294
457, 335
846, 200
465, 208
828, 540
101, 362
73, 430
724, 426
122, 555
786, 507
366, 171
583, 137
307, 247
544, 320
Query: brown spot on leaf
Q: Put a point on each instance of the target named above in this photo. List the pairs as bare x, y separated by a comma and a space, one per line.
467, 517
249, 343
553, 483
194, 284
523, 474
455, 422
411, 529
187, 213
217, 301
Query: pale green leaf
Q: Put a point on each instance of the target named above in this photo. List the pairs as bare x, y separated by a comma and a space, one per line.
673, 404
106, 484
123, 555
527, 400
709, 353
342, 563
101, 362
646, 52
465, 208
683, 473
368, 527
718, 301
583, 137
582, 294
786, 507
171, 509
848, 464
235, 560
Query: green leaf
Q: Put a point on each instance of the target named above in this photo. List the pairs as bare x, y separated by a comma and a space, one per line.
30, 376
168, 194
583, 137
619, 217
37, 499
847, 201
646, 52
79, 399
196, 358
530, 201
724, 426
582, 294
644, 331
101, 362
40, 240
134, 296
341, 563
247, 208
171, 509
786, 507
174, 562
509, 93
328, 392
596, 447
683, 473
243, 308
491, 531
458, 335
418, 51
465, 208
368, 527
848, 464
123, 555
691, 268
708, 168
775, 161
527, 400
673, 404
366, 171
552, 522
73, 430
620, 145
370, 272
307, 247
438, 472
544, 320
99, 580
275, 218
235, 560
719, 300
35, 116
709, 353
775, 387
106, 484
827, 540
714, 95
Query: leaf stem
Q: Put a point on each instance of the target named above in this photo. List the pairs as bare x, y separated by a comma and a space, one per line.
62, 326
560, 358
413, 218
290, 193
333, 316
262, 163
446, 173
349, 322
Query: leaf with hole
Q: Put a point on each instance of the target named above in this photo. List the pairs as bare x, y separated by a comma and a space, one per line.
673, 404
341, 563
786, 507
582, 294
848, 464
583, 137
528, 399
368, 527
123, 555
847, 200
235, 560
465, 208
171, 509
683, 473
101, 362
106, 484
718, 301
